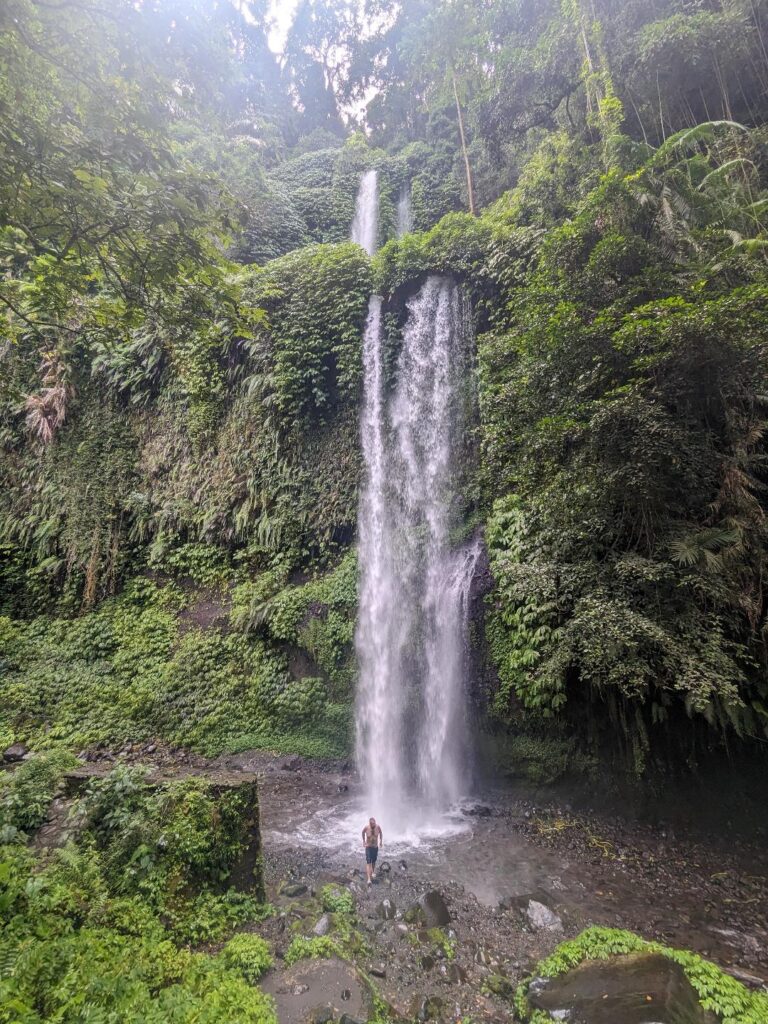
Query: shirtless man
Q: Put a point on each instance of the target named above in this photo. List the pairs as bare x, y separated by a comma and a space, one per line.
373, 841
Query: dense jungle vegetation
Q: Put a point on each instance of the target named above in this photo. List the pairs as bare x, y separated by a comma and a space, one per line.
181, 316
181, 364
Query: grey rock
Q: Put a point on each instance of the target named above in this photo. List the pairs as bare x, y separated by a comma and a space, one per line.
434, 910
347, 1018
323, 926
296, 889
378, 971
456, 974
387, 909
16, 752
542, 918
384, 868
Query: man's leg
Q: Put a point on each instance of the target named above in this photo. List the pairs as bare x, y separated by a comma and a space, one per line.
368, 867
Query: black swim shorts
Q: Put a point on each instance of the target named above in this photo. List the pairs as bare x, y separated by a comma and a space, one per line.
371, 853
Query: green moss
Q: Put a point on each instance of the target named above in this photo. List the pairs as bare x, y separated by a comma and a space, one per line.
718, 992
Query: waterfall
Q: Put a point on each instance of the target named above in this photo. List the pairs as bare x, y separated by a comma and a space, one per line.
414, 588
404, 213
365, 226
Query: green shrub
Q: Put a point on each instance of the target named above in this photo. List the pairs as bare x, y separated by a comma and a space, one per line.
337, 900
248, 954
26, 793
316, 948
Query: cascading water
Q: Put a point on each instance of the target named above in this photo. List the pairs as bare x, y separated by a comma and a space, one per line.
404, 212
413, 623
365, 226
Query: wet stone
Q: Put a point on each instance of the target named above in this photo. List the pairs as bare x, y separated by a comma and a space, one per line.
632, 989
387, 909
434, 910
427, 963
321, 1015
296, 889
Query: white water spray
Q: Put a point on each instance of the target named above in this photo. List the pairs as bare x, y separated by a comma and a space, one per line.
365, 226
404, 212
413, 623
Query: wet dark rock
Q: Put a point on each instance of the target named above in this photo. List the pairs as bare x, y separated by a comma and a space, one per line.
16, 752
499, 985
434, 910
425, 1008
346, 995
378, 971
387, 910
624, 989
427, 963
348, 1019
456, 974
342, 787
384, 868
295, 889
479, 811
323, 926
321, 1015
542, 918
403, 865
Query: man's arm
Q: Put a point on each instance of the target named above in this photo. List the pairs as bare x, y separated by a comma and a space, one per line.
363, 836
381, 839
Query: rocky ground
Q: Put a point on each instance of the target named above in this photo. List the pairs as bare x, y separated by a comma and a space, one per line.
454, 924
497, 897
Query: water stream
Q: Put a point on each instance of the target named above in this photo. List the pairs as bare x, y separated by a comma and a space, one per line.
404, 212
411, 718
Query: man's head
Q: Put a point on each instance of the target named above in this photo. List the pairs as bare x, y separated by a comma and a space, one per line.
372, 822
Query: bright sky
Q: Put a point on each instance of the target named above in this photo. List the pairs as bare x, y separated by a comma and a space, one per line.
281, 14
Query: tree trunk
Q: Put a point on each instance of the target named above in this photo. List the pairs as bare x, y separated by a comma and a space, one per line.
470, 188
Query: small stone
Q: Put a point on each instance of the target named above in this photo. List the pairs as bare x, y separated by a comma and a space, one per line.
542, 918
151, 748
16, 752
342, 787
456, 974
347, 1018
323, 926
403, 865
296, 889
387, 910
378, 971
346, 995
427, 963
321, 1015
384, 868
499, 985
299, 990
